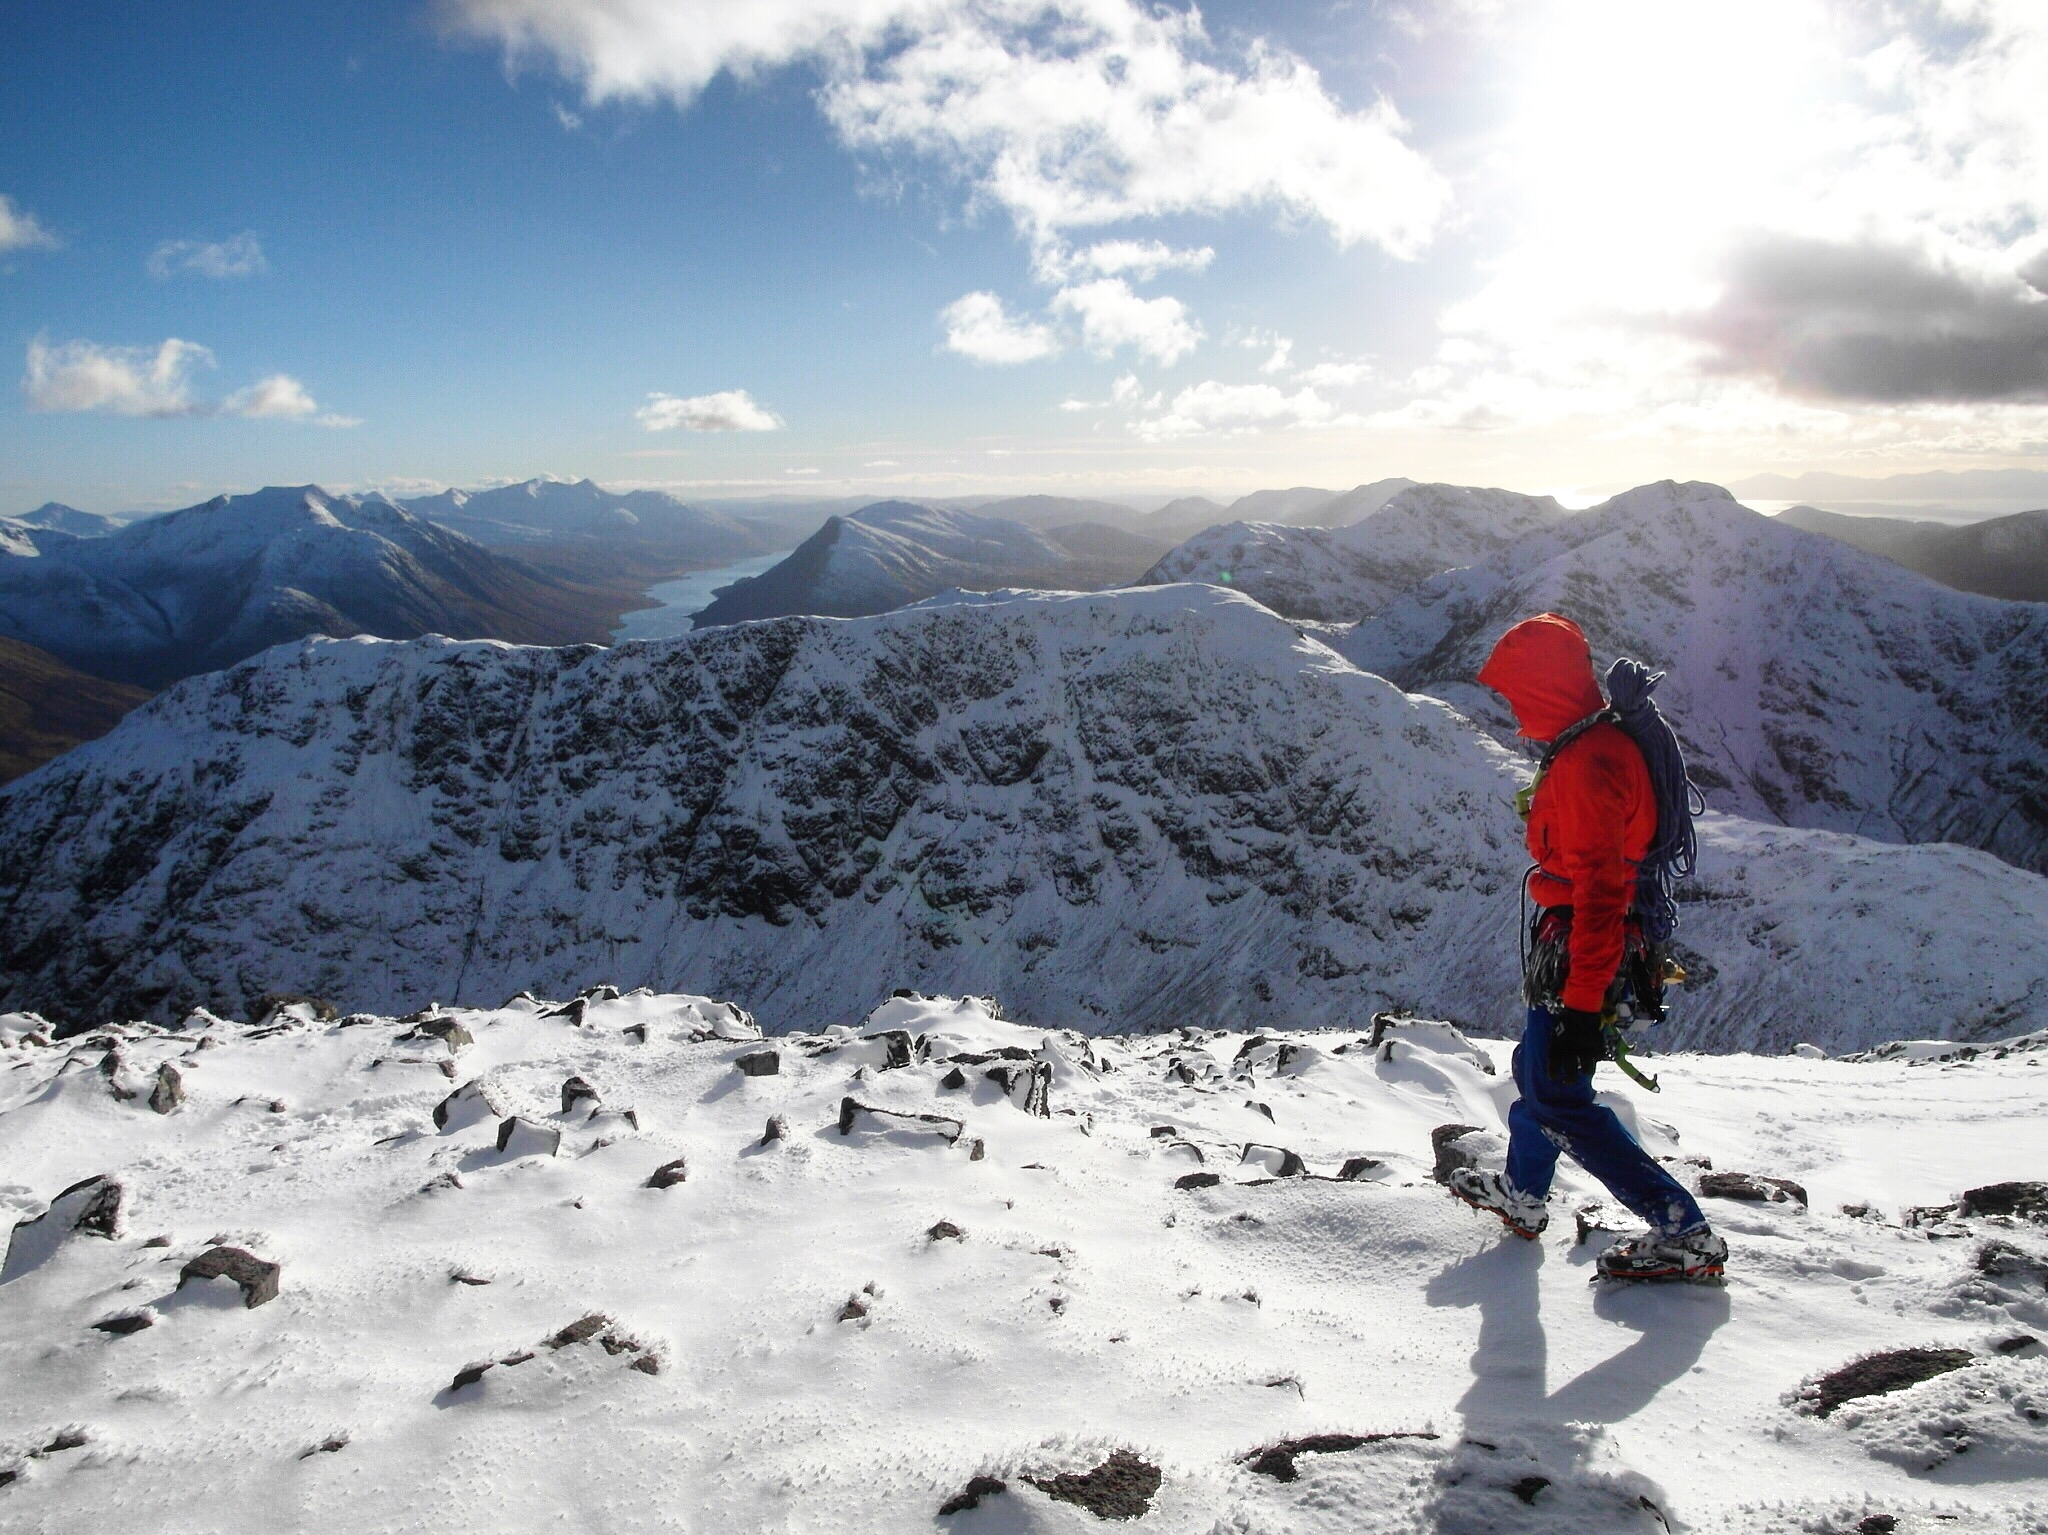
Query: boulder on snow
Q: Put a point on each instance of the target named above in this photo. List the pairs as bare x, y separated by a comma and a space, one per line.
1197, 1180
1122, 1487
443, 1028
970, 1496
853, 1113
519, 1137
669, 1174
91, 1206
1450, 1156
1875, 1374
575, 1091
122, 1323
1752, 1187
2022, 1200
1028, 1087
470, 1104
582, 1330
1275, 1161
266, 1007
1277, 1460
778, 1130
1357, 1168
761, 1063
257, 1277
169, 1090
945, 1231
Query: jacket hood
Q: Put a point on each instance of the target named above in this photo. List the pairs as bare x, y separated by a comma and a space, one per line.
1543, 667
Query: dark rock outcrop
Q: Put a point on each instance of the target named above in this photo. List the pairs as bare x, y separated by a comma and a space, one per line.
1122, 1487
1875, 1374
91, 1207
257, 1277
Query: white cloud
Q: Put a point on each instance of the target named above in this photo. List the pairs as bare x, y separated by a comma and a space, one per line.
120, 380
730, 410
1332, 375
881, 463
570, 121
1112, 317
1283, 350
238, 256
977, 328
278, 397
1212, 407
1063, 113
139, 381
20, 230
1074, 405
1139, 260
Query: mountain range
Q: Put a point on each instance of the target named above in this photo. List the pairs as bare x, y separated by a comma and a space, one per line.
543, 511
896, 552
1999, 557
202, 588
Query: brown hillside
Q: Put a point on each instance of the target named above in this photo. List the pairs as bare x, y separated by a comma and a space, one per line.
46, 707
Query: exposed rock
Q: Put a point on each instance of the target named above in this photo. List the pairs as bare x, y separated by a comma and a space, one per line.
761, 1063
1163, 1132
2024, 1200
1876, 1374
463, 1276
2002, 1260
1450, 1156
946, 1231
850, 1112
1277, 1161
1260, 1108
582, 1330
778, 1130
257, 1277
1277, 1460
69, 1439
470, 1104
2016, 1343
1197, 1180
169, 1090
646, 1364
523, 1138
902, 1049
956, 1078
854, 1310
470, 1374
122, 1323
445, 1029
92, 1206
1028, 1087
1527, 1487
1121, 1487
970, 1496
669, 1174
325, 1447
441, 1182
1877, 1524
1752, 1187
271, 1003
1355, 1168
575, 1091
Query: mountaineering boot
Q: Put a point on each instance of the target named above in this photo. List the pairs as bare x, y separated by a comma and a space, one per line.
1523, 1214
1697, 1255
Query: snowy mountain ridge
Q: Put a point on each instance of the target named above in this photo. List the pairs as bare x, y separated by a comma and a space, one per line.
1811, 683
1126, 810
542, 511
1341, 573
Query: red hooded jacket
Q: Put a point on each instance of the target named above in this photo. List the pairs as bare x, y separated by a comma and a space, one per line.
1595, 815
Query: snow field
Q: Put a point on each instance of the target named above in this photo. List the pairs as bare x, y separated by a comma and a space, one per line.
1087, 1305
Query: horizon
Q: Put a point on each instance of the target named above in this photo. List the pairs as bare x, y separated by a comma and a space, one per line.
948, 249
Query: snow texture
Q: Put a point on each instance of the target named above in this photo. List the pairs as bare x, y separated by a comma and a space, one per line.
1124, 810
829, 1331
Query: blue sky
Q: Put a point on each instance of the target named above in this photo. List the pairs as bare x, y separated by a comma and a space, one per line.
977, 245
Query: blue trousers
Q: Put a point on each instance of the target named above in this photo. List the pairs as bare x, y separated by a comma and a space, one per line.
1554, 1115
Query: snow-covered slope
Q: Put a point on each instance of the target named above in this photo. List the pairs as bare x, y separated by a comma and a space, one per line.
542, 511
1360, 502
829, 1331
1341, 573
1127, 810
207, 586
889, 554
1811, 683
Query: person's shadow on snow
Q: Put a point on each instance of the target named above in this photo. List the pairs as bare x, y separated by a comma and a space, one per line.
1510, 1364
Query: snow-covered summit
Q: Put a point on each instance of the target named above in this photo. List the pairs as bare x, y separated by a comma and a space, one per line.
924, 1259
550, 511
1342, 573
1811, 683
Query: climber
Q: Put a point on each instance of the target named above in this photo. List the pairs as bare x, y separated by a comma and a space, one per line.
1593, 819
